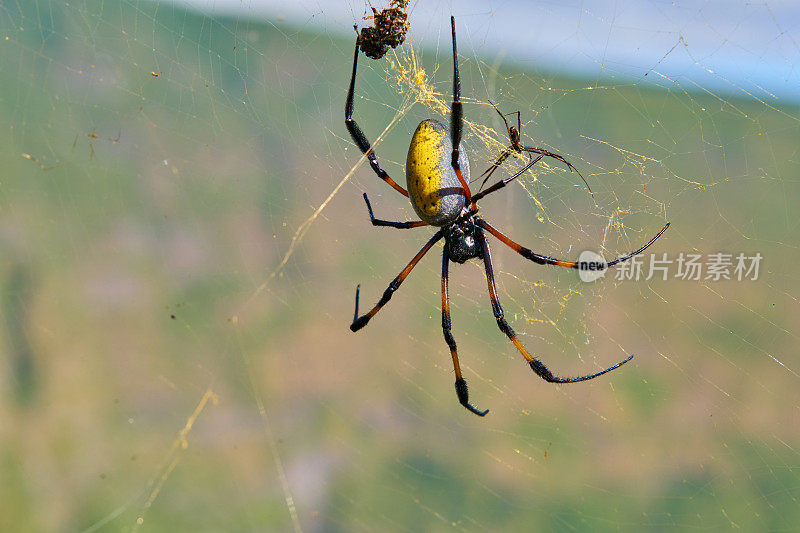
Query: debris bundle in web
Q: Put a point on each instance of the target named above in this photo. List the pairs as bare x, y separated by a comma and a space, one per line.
388, 30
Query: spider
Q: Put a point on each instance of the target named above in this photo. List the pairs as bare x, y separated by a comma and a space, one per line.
518, 147
437, 176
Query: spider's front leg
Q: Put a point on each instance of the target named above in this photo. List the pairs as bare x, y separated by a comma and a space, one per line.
358, 136
457, 119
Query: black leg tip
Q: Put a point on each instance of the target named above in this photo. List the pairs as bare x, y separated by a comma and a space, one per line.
369, 209
358, 323
544, 373
463, 398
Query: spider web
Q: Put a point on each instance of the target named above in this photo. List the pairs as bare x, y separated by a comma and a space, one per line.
183, 230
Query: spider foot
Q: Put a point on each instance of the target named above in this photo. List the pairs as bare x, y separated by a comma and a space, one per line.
463, 397
358, 322
369, 208
544, 373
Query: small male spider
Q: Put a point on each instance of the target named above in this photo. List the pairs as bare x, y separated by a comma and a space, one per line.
518, 147
437, 176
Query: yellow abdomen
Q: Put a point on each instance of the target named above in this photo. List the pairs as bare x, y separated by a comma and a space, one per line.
433, 187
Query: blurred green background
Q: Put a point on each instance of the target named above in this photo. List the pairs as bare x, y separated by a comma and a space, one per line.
161, 371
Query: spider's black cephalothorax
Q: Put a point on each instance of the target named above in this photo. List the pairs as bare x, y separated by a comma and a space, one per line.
460, 239
431, 176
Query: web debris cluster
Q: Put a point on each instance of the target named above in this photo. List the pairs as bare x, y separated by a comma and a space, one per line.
389, 30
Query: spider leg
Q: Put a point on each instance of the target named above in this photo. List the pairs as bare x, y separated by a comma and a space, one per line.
461, 384
542, 151
502, 116
457, 118
640, 250
544, 260
514, 141
502, 183
361, 321
537, 366
358, 136
489, 171
400, 225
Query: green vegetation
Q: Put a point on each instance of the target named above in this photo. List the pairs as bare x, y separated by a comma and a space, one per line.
156, 165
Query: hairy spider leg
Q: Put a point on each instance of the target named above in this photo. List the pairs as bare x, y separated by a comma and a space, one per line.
358, 136
457, 118
537, 366
361, 321
461, 385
